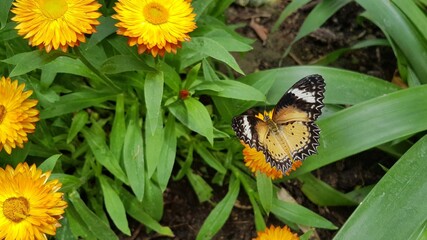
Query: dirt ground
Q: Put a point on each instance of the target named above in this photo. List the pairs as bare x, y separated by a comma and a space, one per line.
185, 215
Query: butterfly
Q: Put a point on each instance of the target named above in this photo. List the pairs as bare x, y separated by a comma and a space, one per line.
288, 133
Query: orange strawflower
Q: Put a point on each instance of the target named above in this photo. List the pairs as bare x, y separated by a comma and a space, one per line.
276, 233
18, 115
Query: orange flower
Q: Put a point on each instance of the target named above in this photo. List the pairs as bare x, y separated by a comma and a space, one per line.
18, 115
53, 24
277, 233
31, 205
255, 160
157, 26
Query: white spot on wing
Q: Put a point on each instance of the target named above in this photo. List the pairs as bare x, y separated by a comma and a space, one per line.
246, 128
305, 95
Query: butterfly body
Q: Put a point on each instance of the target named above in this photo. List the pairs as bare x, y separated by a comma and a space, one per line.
287, 133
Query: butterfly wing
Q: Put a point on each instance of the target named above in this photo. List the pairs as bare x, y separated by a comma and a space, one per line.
297, 136
250, 130
304, 100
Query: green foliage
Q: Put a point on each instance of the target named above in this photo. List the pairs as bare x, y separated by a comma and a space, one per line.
381, 116
116, 127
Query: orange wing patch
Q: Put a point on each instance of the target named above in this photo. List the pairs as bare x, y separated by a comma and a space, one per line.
290, 113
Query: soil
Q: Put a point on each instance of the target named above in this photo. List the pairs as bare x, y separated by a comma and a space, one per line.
185, 215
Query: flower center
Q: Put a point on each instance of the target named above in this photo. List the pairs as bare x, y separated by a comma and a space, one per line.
16, 209
155, 13
53, 9
2, 113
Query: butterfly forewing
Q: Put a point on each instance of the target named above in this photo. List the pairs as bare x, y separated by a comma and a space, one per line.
304, 97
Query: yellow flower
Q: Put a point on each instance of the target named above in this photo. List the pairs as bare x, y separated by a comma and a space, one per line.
255, 160
277, 233
30, 205
18, 114
155, 26
53, 24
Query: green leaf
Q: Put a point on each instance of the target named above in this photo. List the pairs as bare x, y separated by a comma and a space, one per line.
200, 7
228, 41
368, 126
191, 77
322, 194
249, 184
77, 225
69, 182
135, 210
38, 59
333, 56
78, 122
318, 16
186, 166
396, 200
153, 92
300, 215
102, 154
342, 86
118, 131
206, 47
220, 7
153, 142
200, 186
103, 30
291, 8
397, 26
124, 63
218, 216
49, 163
233, 89
93, 223
210, 159
64, 64
153, 200
171, 77
265, 191
64, 232
4, 12
194, 115
114, 206
199, 119
133, 154
76, 101
167, 155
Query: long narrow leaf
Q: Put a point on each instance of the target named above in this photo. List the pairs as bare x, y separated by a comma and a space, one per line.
94, 224
291, 8
114, 206
220, 213
167, 155
397, 200
103, 154
76, 101
153, 92
388, 17
322, 12
298, 214
369, 124
133, 154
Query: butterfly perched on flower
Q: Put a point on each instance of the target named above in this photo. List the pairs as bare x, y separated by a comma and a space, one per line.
288, 133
